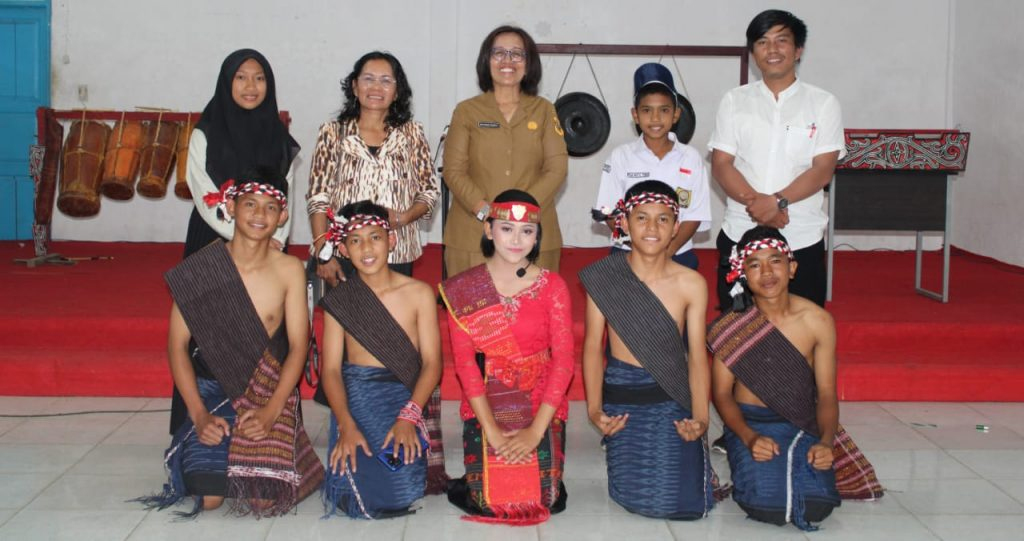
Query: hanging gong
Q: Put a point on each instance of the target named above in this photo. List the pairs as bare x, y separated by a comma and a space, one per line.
687, 121
585, 121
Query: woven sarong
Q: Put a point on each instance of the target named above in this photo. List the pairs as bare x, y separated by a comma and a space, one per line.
785, 488
192, 467
375, 396
204, 468
519, 494
470, 492
266, 477
358, 310
642, 322
768, 364
651, 470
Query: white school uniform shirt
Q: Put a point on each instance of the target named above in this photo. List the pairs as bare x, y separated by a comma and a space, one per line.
682, 168
774, 142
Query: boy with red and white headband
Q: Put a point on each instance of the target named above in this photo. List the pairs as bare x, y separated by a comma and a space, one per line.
236, 347
382, 366
774, 385
650, 400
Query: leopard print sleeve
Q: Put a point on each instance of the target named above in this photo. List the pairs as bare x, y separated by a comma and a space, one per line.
322, 171
426, 178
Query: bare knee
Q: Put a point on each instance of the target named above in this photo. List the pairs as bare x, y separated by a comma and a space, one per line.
212, 502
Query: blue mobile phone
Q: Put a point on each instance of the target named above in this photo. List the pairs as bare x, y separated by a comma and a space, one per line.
394, 463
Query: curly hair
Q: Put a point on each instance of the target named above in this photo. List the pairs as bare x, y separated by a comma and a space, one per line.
400, 110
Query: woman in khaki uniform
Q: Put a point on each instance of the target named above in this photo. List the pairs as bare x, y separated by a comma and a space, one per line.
507, 137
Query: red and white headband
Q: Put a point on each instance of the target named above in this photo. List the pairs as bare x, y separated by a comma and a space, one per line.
229, 191
625, 206
738, 256
340, 227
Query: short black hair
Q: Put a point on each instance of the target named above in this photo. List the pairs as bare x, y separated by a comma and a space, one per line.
400, 110
768, 19
363, 207
531, 80
652, 186
517, 196
745, 300
647, 90
760, 232
265, 175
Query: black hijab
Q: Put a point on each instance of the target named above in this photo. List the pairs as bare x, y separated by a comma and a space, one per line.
240, 141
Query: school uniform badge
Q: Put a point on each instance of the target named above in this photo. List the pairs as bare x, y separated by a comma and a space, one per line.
684, 196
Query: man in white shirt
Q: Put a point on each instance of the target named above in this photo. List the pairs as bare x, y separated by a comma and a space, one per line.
775, 146
658, 155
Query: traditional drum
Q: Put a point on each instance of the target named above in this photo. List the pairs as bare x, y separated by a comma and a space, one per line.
47, 188
181, 183
157, 158
82, 169
121, 163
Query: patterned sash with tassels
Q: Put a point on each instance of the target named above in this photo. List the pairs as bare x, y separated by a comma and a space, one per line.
768, 364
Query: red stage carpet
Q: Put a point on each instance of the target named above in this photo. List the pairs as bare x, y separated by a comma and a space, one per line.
99, 327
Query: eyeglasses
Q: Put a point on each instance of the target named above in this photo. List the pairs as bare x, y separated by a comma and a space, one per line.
515, 55
370, 80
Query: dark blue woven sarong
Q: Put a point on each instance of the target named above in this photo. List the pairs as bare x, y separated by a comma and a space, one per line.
786, 488
195, 469
375, 396
651, 470
205, 467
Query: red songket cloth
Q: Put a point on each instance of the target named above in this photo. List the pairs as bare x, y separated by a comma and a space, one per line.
527, 345
539, 318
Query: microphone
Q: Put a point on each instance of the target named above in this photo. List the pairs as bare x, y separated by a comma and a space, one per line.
522, 272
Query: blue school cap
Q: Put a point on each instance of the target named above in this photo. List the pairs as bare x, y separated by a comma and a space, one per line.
652, 73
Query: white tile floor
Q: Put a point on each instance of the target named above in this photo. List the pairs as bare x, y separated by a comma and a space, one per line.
69, 477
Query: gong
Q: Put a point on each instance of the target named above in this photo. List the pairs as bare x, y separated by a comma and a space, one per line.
687, 121
585, 121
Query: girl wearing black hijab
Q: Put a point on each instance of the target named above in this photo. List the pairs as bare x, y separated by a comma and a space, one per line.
238, 134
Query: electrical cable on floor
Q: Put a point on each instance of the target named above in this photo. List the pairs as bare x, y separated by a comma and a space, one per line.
69, 413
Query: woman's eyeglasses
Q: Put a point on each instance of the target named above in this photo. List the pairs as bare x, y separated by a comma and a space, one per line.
514, 55
370, 80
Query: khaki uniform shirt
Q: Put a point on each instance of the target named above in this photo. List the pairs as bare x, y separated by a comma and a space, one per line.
484, 155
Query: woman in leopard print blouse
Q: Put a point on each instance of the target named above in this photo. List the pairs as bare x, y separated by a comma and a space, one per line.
373, 150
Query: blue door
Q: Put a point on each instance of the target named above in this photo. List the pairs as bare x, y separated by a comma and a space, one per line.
24, 86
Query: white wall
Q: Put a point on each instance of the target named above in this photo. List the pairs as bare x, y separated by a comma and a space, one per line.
987, 102
887, 71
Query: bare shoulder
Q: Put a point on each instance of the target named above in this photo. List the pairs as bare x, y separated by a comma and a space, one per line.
686, 279
813, 316
288, 265
416, 290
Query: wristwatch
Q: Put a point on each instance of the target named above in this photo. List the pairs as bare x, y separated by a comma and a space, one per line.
783, 202
482, 214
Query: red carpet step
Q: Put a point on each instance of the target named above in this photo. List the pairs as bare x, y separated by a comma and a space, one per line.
100, 327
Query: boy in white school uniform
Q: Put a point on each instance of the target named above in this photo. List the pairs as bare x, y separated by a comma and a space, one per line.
658, 155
